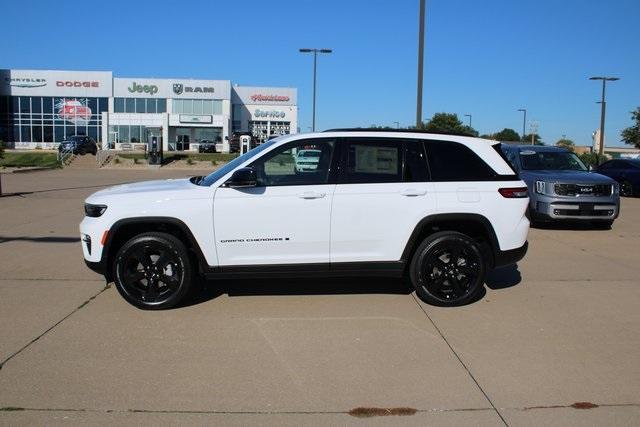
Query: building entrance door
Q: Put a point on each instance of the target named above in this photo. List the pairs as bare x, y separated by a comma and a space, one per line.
183, 138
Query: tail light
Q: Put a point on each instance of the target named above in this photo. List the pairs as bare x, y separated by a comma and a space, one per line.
513, 192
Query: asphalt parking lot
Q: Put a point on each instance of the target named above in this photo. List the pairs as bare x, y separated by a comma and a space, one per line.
555, 340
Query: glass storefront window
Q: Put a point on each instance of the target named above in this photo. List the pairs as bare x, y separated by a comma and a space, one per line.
130, 105
118, 105
141, 105
162, 105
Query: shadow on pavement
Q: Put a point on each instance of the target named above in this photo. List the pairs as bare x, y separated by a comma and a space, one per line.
504, 277
327, 286
572, 225
52, 239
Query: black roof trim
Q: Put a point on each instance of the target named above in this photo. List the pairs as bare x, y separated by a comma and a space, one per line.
434, 132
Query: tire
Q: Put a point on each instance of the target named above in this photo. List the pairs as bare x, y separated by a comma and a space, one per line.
153, 271
444, 283
626, 189
82, 151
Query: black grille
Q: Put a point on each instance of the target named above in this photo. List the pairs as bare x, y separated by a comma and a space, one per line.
598, 190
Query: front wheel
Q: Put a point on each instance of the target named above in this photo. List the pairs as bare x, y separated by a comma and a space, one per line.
448, 269
626, 189
153, 271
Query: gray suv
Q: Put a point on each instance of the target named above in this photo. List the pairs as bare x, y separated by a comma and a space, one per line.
561, 187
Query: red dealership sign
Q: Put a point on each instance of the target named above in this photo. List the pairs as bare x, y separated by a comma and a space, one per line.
267, 98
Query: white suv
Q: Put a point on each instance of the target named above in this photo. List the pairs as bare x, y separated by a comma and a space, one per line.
440, 210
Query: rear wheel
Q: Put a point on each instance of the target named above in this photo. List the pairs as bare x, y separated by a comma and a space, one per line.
153, 271
448, 269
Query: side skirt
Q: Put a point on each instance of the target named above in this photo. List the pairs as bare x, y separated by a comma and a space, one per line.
343, 269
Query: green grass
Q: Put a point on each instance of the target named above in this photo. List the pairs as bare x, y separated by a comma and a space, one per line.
29, 159
205, 157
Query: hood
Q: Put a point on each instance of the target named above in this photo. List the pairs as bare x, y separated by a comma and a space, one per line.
161, 185
568, 176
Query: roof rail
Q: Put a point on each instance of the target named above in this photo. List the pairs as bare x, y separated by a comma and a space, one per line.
436, 132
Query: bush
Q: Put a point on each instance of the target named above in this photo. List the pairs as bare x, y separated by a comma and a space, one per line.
189, 161
136, 160
116, 160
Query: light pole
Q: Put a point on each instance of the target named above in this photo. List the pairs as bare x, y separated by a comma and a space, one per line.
603, 107
468, 115
420, 65
397, 125
315, 60
524, 120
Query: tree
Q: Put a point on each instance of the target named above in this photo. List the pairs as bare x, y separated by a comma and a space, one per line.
566, 143
527, 139
448, 123
592, 159
631, 135
506, 134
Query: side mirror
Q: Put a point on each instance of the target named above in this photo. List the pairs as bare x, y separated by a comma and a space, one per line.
244, 177
590, 167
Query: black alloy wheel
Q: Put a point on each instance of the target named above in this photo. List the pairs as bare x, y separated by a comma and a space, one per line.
153, 271
626, 189
448, 269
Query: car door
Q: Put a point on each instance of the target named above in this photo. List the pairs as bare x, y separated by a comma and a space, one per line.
381, 195
285, 219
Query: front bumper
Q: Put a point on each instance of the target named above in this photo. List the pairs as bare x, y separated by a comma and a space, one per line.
575, 208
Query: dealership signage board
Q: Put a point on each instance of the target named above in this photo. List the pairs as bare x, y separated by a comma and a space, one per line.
191, 118
249, 95
56, 83
171, 88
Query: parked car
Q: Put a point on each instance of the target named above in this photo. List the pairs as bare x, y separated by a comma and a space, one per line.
79, 144
441, 210
307, 160
626, 172
207, 146
561, 187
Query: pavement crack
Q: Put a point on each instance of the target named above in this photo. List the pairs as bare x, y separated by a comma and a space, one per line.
107, 286
459, 359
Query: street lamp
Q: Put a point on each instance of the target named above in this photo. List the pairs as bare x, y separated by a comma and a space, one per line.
468, 115
420, 65
603, 107
524, 120
397, 124
315, 60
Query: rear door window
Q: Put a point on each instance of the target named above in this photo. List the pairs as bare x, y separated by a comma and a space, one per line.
373, 161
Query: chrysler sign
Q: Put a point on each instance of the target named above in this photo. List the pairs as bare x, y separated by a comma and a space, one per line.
25, 82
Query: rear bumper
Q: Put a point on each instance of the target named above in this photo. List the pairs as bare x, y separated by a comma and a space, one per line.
511, 256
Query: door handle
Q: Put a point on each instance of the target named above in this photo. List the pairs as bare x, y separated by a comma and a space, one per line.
412, 192
312, 195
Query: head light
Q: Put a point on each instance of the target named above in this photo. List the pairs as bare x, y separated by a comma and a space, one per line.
94, 210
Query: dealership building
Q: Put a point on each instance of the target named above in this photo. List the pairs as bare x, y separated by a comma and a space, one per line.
41, 108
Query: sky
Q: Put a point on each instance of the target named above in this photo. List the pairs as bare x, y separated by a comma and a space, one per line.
484, 58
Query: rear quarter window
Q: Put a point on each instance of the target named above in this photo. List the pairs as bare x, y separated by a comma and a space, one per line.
450, 161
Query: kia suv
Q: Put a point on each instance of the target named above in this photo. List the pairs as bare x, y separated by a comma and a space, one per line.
439, 210
562, 188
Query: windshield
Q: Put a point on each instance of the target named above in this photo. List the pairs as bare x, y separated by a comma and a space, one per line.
550, 160
217, 174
